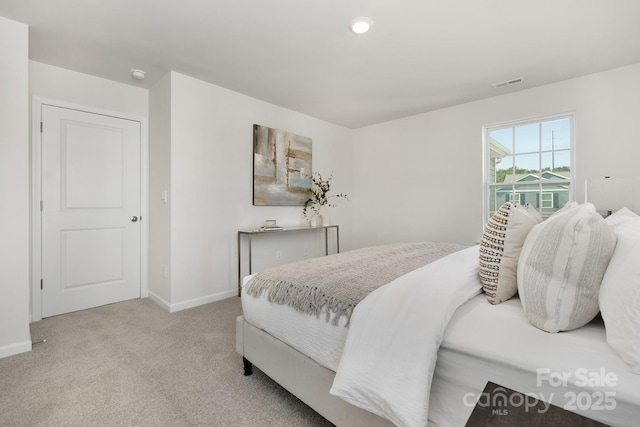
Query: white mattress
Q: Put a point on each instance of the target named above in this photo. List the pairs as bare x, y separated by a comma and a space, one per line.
315, 337
484, 342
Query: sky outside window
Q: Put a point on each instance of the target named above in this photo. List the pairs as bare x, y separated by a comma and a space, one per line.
536, 146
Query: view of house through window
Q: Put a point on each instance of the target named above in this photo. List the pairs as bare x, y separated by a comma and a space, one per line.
529, 162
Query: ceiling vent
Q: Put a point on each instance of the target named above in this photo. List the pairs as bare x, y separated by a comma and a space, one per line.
508, 83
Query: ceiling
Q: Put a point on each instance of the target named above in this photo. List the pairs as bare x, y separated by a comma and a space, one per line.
420, 55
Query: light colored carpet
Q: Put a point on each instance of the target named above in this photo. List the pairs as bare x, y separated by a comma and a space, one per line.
133, 364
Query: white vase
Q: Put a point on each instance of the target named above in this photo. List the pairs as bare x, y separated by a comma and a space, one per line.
313, 220
323, 213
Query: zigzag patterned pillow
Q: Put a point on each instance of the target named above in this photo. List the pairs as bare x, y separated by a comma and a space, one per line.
500, 248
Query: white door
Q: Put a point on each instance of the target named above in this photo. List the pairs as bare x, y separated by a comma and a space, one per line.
90, 210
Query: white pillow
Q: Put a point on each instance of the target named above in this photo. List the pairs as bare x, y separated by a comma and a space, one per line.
620, 217
500, 248
567, 206
561, 267
620, 294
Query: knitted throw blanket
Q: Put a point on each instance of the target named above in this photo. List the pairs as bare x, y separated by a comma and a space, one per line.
337, 283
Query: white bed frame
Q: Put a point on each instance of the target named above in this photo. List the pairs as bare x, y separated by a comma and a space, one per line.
300, 375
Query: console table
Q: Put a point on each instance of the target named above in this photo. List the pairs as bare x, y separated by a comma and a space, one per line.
249, 235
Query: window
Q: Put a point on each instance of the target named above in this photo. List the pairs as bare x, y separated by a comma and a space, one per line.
529, 162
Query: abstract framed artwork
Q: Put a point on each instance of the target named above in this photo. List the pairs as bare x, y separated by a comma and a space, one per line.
281, 167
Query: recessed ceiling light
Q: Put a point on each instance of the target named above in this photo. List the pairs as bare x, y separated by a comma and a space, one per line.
138, 74
361, 25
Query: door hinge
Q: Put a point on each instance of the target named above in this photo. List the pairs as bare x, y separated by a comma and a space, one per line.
41, 284
41, 127
41, 205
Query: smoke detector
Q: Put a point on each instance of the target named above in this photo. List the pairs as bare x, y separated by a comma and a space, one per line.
138, 74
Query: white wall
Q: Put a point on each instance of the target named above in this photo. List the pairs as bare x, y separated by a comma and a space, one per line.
14, 188
159, 181
420, 178
48, 81
200, 144
211, 185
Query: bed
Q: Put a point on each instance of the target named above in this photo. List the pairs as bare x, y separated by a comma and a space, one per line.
337, 363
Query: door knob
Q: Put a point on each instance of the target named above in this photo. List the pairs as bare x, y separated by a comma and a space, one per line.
133, 218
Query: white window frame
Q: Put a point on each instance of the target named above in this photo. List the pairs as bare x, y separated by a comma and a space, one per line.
487, 184
542, 200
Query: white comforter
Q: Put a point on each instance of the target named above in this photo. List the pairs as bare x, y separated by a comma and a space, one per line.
390, 352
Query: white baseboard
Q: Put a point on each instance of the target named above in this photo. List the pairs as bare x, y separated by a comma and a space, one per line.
202, 300
172, 308
17, 348
161, 302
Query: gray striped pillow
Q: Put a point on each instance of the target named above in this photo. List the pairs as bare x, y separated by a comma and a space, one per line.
561, 267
